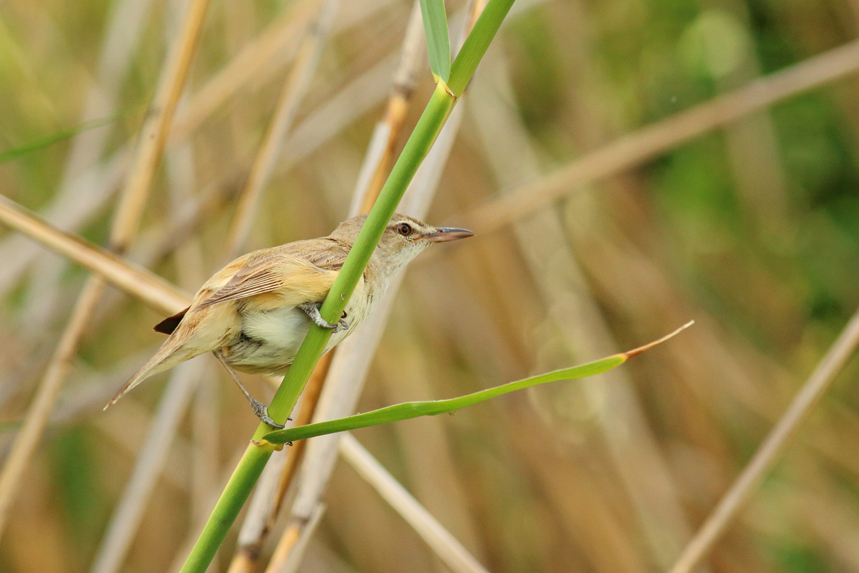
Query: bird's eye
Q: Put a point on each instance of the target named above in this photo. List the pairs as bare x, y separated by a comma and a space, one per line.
404, 229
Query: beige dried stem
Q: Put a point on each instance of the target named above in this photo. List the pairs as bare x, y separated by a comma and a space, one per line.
446, 546
293, 92
266, 503
767, 454
650, 141
349, 368
256, 63
124, 227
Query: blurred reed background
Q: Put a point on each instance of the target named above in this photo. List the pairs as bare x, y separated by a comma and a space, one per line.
620, 221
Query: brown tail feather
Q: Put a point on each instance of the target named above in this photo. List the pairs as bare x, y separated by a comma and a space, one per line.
169, 324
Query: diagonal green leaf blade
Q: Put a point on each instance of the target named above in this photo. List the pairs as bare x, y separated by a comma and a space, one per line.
408, 410
438, 39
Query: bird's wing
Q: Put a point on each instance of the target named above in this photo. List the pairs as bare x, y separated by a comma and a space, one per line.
293, 280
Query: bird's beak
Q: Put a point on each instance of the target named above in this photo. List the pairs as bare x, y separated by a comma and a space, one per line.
444, 234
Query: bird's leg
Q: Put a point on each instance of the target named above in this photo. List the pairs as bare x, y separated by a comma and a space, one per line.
312, 310
258, 407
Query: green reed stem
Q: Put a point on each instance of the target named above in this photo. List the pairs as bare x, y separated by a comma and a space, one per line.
424, 135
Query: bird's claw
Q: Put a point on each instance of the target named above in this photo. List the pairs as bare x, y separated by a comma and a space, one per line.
262, 413
312, 310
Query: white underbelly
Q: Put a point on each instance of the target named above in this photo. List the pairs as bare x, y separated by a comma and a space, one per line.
270, 340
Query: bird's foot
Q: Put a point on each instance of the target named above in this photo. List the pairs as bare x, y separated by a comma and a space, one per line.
312, 310
262, 413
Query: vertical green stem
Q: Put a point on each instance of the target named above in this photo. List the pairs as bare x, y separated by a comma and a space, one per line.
424, 135
256, 456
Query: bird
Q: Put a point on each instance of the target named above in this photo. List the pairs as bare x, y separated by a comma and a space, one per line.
254, 313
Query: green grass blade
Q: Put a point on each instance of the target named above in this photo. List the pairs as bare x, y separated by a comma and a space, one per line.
48, 140
408, 410
438, 39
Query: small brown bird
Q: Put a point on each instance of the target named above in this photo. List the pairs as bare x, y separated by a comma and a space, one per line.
255, 312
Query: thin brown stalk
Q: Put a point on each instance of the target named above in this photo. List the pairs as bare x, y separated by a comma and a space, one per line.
650, 141
293, 92
272, 45
258, 525
352, 102
350, 365
124, 227
136, 281
411, 57
769, 451
89, 194
298, 540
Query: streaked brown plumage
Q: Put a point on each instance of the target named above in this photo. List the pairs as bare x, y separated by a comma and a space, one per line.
250, 314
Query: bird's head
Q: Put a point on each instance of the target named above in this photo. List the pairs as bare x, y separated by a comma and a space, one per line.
404, 238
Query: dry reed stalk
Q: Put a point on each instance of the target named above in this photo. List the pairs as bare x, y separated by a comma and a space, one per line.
133, 419
445, 546
349, 367
136, 281
389, 129
123, 229
297, 545
266, 502
343, 387
710, 350
352, 102
153, 244
293, 92
578, 321
767, 454
649, 141
85, 186
91, 192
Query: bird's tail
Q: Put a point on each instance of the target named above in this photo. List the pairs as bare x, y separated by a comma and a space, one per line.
171, 353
